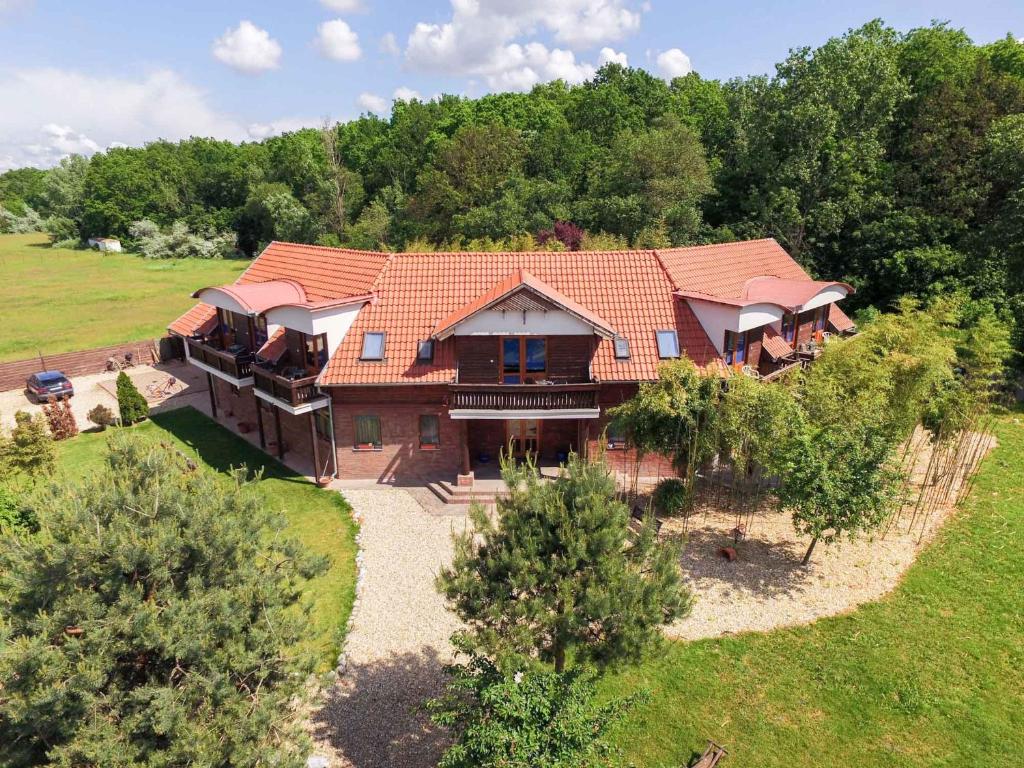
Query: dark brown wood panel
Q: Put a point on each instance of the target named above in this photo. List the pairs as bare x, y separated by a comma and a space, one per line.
477, 359
569, 358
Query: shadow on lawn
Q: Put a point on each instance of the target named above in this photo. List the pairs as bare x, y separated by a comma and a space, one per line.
763, 568
375, 718
219, 448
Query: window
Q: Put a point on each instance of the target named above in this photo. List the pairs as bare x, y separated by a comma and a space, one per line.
430, 431
820, 316
322, 420
735, 347
621, 348
373, 345
789, 326
368, 433
261, 331
668, 344
316, 351
425, 351
616, 437
523, 359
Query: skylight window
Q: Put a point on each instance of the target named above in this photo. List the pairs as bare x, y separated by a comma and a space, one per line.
425, 351
373, 345
621, 348
668, 344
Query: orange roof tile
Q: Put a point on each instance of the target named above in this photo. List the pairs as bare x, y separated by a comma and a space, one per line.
200, 319
774, 344
517, 281
839, 320
417, 291
723, 270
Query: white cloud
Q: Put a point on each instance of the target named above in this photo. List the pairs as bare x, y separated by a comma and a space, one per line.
371, 102
248, 49
336, 40
389, 45
259, 131
610, 55
15, 5
62, 111
484, 38
343, 6
405, 94
674, 63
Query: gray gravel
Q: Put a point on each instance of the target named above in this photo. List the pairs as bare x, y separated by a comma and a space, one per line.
397, 641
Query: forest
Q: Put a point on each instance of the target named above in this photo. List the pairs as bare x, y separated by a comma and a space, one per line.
891, 159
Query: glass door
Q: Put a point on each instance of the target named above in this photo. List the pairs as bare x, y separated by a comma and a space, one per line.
523, 437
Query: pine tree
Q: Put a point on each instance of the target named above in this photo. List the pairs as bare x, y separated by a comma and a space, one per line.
130, 402
154, 624
557, 575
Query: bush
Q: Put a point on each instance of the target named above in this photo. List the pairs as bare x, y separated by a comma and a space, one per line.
29, 447
13, 223
670, 496
15, 516
527, 719
130, 402
102, 416
178, 242
61, 419
155, 625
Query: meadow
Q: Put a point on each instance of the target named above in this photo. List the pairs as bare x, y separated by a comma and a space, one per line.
56, 300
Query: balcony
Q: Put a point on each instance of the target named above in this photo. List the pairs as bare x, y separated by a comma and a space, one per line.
512, 401
234, 366
290, 387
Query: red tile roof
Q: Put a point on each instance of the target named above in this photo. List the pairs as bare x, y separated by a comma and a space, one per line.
839, 319
259, 297
200, 319
723, 270
416, 295
774, 344
628, 289
520, 280
325, 275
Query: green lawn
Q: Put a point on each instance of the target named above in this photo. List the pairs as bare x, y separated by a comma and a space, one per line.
57, 300
933, 675
318, 518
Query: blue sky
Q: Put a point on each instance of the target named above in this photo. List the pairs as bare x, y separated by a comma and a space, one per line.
82, 76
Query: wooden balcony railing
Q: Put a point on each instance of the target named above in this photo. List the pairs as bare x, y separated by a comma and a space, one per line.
523, 397
236, 367
291, 391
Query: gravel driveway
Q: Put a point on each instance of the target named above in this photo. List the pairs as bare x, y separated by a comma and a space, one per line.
398, 640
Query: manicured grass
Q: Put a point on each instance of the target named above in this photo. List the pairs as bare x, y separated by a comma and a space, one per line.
933, 675
318, 518
55, 300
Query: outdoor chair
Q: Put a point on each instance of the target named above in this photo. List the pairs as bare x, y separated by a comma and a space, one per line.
751, 372
711, 756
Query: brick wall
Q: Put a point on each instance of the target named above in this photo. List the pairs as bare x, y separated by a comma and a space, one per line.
399, 410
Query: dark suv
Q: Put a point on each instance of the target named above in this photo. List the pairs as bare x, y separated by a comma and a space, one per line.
42, 386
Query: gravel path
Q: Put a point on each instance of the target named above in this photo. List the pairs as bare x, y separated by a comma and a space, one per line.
398, 639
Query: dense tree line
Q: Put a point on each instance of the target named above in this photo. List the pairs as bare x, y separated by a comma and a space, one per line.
893, 160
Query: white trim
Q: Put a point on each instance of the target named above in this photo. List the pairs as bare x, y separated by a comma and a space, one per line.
312, 405
566, 413
246, 382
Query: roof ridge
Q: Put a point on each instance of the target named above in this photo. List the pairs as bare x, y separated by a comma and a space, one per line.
381, 272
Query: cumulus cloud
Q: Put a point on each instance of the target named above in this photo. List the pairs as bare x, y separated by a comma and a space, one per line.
389, 45
674, 63
247, 48
610, 55
405, 94
483, 39
343, 6
336, 40
371, 102
260, 131
61, 112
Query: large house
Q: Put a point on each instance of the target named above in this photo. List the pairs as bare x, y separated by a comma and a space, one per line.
395, 366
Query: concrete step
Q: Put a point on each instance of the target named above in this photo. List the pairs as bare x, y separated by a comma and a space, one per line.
450, 493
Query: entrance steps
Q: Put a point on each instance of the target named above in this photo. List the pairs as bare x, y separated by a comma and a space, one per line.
486, 492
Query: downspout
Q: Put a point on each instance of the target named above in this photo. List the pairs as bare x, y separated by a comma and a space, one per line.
334, 447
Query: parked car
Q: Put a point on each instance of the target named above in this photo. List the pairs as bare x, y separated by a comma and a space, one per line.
46, 384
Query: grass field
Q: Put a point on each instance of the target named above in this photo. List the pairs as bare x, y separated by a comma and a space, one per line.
933, 675
318, 518
55, 300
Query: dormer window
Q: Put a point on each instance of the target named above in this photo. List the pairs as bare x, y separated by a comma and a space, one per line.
425, 352
668, 344
373, 345
621, 348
